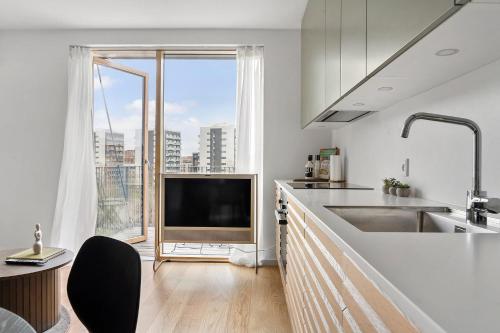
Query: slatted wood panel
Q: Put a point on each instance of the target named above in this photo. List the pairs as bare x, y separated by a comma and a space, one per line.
327, 290
314, 307
34, 297
329, 244
295, 266
331, 316
294, 287
384, 309
356, 311
348, 323
292, 205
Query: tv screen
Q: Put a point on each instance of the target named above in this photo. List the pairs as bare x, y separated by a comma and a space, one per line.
207, 202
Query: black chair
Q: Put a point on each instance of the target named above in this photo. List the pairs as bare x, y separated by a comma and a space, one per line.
104, 285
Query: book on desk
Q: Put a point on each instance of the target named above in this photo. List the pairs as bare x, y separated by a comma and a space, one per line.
28, 256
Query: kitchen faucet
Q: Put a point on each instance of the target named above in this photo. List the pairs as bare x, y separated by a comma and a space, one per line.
477, 205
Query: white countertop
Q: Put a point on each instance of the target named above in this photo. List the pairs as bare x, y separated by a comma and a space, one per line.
442, 281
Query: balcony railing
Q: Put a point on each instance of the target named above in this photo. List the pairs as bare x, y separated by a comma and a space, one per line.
199, 169
120, 198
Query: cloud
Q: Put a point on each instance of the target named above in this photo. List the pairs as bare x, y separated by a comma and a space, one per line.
178, 108
189, 128
107, 82
169, 107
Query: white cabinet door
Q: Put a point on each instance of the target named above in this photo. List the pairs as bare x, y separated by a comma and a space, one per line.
313, 61
332, 44
353, 43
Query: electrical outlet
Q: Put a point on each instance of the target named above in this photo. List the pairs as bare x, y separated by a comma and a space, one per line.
405, 168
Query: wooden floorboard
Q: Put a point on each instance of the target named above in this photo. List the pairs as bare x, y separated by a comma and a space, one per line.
206, 297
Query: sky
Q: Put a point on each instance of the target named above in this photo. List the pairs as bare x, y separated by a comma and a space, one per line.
197, 92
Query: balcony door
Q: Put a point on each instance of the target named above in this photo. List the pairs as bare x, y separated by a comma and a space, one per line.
121, 150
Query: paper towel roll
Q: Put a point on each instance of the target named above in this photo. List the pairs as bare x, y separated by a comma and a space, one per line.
336, 168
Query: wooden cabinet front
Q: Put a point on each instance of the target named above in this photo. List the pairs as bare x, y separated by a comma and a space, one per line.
326, 291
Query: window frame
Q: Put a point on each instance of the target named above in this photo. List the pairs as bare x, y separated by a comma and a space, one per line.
159, 53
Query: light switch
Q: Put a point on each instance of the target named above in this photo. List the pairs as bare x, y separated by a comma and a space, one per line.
405, 168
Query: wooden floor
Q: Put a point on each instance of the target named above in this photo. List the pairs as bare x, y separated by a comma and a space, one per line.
206, 297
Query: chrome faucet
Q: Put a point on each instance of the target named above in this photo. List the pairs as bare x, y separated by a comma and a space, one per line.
477, 203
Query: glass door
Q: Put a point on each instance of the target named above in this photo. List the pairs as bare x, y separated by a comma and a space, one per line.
121, 150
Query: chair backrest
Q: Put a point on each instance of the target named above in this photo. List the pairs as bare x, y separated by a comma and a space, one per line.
104, 285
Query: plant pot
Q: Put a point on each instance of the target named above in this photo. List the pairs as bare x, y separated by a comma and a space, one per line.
392, 190
385, 189
403, 192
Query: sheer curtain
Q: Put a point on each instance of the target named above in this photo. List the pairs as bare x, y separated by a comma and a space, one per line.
76, 207
249, 134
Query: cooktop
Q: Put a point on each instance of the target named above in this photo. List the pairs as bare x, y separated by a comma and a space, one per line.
327, 186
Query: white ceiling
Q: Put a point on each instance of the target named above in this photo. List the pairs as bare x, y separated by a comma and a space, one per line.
150, 14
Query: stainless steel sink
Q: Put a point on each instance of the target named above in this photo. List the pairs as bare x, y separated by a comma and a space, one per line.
402, 219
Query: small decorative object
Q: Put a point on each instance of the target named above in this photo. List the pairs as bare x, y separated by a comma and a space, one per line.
403, 190
387, 184
38, 246
394, 187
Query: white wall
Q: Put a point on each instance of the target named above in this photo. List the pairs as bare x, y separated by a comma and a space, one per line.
440, 154
33, 95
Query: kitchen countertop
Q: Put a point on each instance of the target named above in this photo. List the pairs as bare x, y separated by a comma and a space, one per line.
444, 282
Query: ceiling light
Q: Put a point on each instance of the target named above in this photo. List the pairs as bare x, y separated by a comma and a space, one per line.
358, 104
385, 88
447, 52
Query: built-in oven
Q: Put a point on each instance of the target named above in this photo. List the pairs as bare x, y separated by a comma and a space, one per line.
280, 214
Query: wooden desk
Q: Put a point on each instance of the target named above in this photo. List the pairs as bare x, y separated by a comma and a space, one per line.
32, 292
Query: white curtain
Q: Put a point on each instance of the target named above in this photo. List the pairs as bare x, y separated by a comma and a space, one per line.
249, 136
76, 207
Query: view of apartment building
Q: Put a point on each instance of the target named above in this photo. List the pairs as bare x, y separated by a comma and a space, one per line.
109, 148
217, 148
171, 148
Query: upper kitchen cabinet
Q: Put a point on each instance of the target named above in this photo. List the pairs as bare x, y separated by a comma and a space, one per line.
361, 56
313, 60
332, 44
391, 24
353, 44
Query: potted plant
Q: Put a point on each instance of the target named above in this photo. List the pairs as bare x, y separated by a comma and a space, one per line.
403, 190
387, 184
394, 186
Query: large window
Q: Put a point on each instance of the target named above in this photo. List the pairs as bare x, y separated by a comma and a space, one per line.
199, 109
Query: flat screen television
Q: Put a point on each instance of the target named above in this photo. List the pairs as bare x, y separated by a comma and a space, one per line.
208, 207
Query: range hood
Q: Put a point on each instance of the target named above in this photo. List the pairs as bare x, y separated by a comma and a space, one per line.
344, 116
421, 66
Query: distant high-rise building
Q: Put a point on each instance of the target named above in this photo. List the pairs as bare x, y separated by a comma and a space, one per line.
108, 148
217, 148
171, 149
